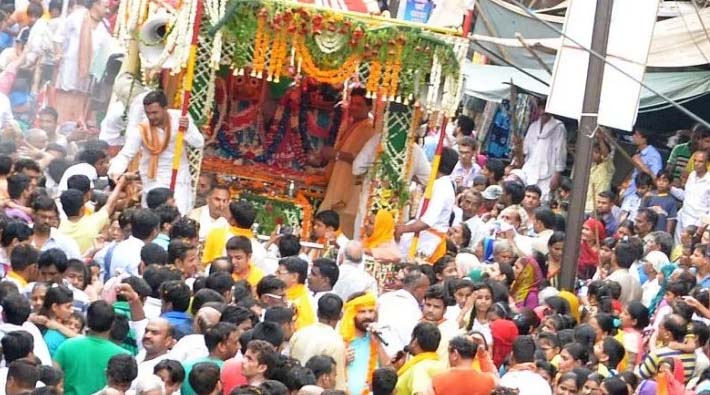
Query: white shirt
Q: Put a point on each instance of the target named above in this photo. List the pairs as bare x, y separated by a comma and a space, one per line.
183, 185
145, 368
545, 149
527, 382
696, 197
207, 223
79, 168
353, 279
466, 175
114, 123
126, 257
68, 37
40, 347
398, 313
5, 110
437, 216
189, 347
152, 307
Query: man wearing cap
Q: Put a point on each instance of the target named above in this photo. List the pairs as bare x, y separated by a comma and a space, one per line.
363, 349
545, 150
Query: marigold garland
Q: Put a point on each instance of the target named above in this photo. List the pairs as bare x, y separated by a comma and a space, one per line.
261, 43
333, 77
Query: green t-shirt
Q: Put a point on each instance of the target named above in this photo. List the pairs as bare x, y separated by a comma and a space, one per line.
186, 388
83, 360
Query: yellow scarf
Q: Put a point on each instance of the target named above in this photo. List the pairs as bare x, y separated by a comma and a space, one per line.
350, 310
217, 240
254, 275
298, 295
151, 141
425, 356
383, 230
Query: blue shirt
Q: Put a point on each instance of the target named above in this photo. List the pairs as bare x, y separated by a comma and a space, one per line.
54, 339
181, 322
652, 159
357, 369
162, 240
667, 203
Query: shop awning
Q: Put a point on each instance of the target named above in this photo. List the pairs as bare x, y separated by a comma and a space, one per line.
492, 83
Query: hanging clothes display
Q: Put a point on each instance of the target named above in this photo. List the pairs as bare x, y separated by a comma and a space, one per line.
498, 139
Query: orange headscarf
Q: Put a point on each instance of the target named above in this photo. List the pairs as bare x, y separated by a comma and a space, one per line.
383, 230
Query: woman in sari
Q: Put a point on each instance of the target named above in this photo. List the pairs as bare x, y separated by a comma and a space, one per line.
379, 237
592, 233
528, 280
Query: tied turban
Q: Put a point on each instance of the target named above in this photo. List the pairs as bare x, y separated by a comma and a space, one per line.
347, 325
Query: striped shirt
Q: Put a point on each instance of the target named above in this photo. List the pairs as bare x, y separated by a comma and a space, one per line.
649, 366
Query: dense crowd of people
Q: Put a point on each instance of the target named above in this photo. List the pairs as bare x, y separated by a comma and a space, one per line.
114, 284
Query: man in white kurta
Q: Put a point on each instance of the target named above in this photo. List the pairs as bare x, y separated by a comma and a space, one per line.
73, 87
439, 215
696, 196
157, 113
118, 119
545, 149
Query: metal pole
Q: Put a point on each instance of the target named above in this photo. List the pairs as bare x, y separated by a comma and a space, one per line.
583, 153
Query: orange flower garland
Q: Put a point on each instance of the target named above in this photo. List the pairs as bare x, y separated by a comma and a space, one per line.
333, 77
261, 43
373, 80
394, 73
278, 55
371, 365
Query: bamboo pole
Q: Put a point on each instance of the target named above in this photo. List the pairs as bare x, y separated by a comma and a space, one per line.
430, 185
187, 92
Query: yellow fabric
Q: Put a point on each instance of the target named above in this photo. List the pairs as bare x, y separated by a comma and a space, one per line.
298, 295
523, 283
253, 276
676, 252
383, 230
416, 379
573, 303
556, 361
440, 250
152, 142
425, 356
600, 177
20, 280
350, 310
217, 240
86, 229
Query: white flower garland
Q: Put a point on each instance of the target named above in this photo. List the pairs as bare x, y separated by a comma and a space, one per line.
453, 85
215, 10
434, 85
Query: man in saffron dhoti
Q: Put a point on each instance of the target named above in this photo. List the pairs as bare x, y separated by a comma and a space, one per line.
343, 193
156, 139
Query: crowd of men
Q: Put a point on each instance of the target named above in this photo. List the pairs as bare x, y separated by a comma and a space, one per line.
114, 284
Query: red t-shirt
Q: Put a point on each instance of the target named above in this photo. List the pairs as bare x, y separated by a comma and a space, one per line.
462, 382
